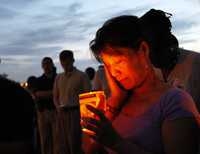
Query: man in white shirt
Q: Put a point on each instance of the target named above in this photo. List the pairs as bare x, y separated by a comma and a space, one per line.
67, 87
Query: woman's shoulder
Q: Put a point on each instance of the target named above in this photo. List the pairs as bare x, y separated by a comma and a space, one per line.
176, 94
177, 103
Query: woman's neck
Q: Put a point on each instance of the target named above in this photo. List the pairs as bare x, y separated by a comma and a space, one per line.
149, 85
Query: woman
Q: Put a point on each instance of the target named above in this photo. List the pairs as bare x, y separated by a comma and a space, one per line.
145, 115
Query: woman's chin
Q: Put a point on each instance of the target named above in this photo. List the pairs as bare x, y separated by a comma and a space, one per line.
126, 85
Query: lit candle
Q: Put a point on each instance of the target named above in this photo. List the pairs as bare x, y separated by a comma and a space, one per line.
95, 99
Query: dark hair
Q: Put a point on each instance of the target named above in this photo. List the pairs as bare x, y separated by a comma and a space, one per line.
16, 112
47, 59
66, 54
90, 72
32, 83
163, 44
122, 31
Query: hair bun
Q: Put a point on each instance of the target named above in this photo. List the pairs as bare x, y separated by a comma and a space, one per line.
163, 44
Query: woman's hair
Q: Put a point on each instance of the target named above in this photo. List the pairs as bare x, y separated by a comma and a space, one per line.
48, 60
32, 83
128, 31
163, 44
122, 31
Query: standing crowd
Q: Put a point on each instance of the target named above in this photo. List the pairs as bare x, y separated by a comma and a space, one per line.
152, 96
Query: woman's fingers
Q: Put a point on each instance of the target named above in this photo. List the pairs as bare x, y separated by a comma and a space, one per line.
90, 127
111, 82
97, 112
91, 121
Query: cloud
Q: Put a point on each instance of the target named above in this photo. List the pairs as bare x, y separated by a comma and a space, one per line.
75, 7
18, 59
181, 25
34, 41
20, 49
6, 13
134, 11
185, 41
16, 3
48, 34
193, 2
69, 27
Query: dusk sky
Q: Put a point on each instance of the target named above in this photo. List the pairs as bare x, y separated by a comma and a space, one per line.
32, 29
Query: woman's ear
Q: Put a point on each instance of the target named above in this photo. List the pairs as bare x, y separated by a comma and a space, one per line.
144, 48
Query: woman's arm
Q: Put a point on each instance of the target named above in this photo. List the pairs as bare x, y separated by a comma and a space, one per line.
179, 128
106, 135
117, 97
180, 136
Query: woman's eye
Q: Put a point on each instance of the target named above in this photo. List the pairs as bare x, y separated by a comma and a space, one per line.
119, 62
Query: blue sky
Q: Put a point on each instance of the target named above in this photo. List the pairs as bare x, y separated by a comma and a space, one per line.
32, 29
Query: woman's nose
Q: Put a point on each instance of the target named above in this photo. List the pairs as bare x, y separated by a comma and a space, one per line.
115, 72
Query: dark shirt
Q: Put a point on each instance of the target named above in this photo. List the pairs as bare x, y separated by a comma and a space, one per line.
45, 83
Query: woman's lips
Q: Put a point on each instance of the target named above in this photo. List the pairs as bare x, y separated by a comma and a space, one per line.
122, 80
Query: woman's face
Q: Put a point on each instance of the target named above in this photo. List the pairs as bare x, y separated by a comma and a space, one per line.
47, 66
129, 67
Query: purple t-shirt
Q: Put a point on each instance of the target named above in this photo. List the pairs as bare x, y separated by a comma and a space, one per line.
145, 130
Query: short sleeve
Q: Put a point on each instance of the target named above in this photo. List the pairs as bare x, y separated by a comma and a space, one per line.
178, 104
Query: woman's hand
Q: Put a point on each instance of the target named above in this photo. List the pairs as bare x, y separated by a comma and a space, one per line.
117, 95
104, 133
115, 89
